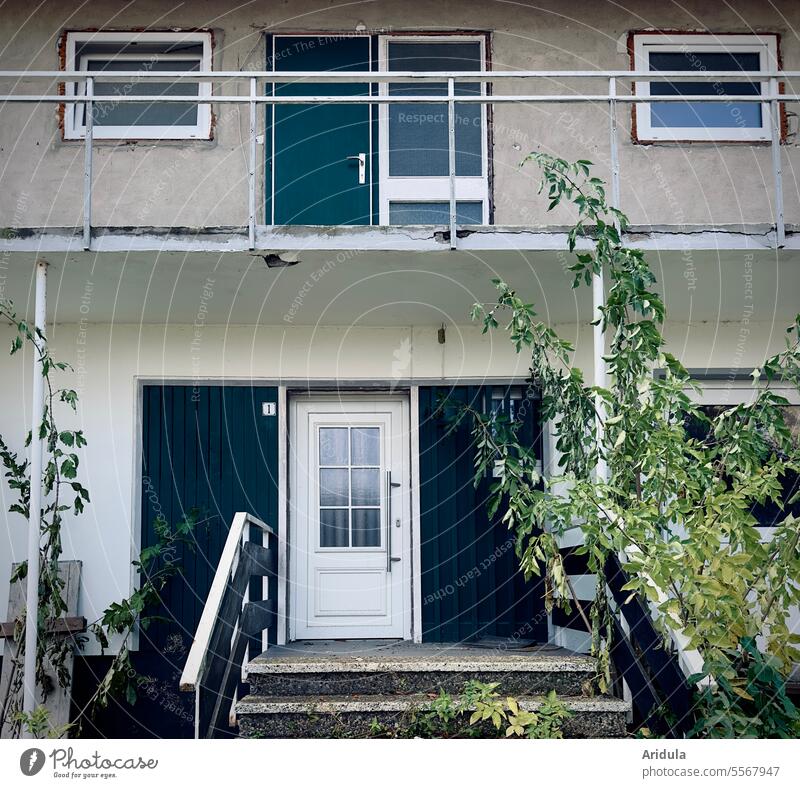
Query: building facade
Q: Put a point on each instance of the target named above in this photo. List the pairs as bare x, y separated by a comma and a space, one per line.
264, 301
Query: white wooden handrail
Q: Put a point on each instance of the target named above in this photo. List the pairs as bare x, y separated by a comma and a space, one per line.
193, 670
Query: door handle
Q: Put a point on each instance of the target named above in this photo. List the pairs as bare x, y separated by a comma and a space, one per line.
388, 521
361, 158
389, 486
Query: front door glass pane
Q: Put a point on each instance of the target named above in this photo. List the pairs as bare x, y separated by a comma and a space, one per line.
333, 527
366, 447
366, 527
366, 487
333, 490
349, 483
333, 446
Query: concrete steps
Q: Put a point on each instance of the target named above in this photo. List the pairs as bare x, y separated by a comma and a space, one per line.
320, 717
341, 689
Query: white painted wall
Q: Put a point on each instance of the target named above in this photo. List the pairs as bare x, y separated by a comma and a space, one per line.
109, 361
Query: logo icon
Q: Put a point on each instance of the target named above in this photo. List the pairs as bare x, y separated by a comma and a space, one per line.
31, 761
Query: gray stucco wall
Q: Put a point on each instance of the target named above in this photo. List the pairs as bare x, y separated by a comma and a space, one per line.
204, 183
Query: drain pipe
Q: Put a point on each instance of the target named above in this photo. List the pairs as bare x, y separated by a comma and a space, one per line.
35, 512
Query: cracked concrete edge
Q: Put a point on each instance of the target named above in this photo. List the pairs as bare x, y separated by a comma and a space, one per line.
249, 705
375, 238
267, 666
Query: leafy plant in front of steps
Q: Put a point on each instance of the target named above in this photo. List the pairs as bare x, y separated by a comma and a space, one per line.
747, 698
480, 711
156, 565
677, 503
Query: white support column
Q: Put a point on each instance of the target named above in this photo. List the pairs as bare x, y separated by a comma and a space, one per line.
34, 518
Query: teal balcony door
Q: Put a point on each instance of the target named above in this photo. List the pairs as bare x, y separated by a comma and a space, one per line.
320, 170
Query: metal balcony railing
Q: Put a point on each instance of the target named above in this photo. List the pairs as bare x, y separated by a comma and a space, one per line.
609, 97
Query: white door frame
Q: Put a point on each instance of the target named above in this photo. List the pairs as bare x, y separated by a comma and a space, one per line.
402, 545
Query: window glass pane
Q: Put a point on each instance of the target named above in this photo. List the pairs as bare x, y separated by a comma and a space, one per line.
333, 446
114, 113
366, 487
366, 527
418, 138
333, 528
333, 490
697, 114
435, 212
365, 445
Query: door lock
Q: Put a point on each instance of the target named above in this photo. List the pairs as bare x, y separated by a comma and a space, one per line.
361, 158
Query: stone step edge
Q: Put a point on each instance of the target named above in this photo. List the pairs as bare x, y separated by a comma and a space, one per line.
256, 704
509, 665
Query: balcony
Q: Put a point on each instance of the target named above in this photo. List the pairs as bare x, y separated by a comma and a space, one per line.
219, 195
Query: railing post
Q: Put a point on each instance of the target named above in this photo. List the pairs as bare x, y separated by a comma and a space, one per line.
777, 172
451, 155
613, 142
87, 165
251, 168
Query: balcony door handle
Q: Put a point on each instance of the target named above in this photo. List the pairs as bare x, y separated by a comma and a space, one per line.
361, 158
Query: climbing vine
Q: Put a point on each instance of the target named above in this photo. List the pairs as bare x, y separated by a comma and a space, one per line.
63, 492
678, 503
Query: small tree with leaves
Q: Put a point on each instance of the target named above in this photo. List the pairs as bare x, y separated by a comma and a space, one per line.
678, 506
62, 492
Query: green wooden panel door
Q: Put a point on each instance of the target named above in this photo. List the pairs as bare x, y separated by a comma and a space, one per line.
471, 583
312, 175
209, 449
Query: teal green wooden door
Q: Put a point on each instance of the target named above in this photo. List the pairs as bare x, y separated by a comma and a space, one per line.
314, 175
471, 582
209, 450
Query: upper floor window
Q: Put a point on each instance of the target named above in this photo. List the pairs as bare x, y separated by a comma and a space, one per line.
718, 121
140, 54
414, 138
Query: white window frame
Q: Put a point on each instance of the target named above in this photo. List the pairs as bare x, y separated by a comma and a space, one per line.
726, 392
766, 45
428, 189
74, 124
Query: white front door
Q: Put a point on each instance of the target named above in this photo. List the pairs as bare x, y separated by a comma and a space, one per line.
349, 528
